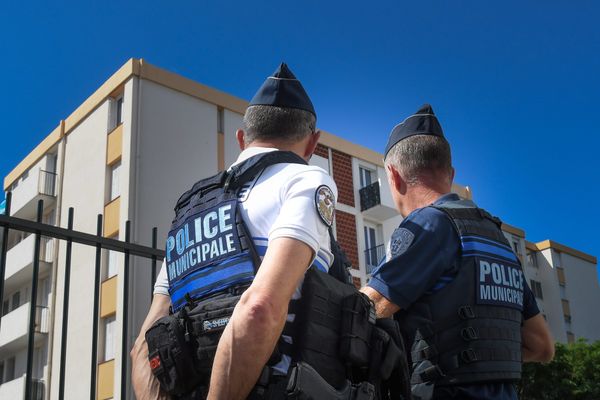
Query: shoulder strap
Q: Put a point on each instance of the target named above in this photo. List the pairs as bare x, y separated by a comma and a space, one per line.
241, 173
238, 175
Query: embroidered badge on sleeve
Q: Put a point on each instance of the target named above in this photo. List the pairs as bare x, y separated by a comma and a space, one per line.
401, 240
325, 203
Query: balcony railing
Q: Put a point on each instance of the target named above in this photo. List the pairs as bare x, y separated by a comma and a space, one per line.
373, 257
369, 196
47, 183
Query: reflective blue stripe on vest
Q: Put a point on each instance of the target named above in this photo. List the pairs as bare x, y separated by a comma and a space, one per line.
211, 279
472, 246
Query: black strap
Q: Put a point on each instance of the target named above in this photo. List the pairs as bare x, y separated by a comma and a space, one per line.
243, 172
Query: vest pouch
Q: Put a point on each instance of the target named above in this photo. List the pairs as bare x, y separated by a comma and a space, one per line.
208, 319
358, 318
171, 356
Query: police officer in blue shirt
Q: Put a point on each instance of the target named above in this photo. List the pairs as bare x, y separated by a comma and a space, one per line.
467, 316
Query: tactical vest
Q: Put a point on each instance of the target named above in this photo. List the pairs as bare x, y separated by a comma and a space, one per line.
211, 260
470, 330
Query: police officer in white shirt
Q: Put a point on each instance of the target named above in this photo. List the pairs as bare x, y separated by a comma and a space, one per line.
288, 209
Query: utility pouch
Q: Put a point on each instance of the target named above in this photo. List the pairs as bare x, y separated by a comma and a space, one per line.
358, 318
208, 319
171, 356
306, 384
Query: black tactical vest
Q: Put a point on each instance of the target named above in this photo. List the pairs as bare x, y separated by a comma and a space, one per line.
470, 330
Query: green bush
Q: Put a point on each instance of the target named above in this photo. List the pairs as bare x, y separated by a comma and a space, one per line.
573, 374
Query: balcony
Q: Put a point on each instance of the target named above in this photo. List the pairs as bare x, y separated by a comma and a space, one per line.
19, 262
373, 257
376, 202
39, 185
15, 389
13, 333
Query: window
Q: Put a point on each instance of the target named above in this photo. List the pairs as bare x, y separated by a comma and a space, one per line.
516, 247
563, 291
374, 251
560, 272
110, 330
220, 120
116, 112
115, 190
16, 301
536, 288
112, 263
531, 259
9, 369
570, 337
1, 372
366, 177
5, 308
119, 110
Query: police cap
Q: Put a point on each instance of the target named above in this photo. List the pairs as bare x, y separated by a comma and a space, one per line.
282, 89
423, 122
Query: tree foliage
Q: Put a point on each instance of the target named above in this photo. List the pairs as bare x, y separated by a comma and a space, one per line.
573, 374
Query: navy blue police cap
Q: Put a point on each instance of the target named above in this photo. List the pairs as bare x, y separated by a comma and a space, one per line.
282, 89
423, 122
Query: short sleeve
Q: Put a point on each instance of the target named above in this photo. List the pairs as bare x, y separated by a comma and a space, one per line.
161, 286
307, 209
530, 306
423, 249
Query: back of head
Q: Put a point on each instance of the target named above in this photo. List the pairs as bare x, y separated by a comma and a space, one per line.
280, 110
422, 159
271, 123
418, 150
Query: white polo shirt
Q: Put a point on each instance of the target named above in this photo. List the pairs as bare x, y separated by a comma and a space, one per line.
282, 202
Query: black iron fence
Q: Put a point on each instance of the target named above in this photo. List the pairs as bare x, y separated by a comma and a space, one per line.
369, 196
373, 256
38, 315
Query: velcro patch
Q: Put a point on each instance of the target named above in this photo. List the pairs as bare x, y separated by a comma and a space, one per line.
325, 203
215, 324
155, 364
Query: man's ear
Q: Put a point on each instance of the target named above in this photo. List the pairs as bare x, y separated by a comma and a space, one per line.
452, 171
311, 145
395, 180
239, 134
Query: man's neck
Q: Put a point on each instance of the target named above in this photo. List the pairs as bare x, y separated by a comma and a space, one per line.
419, 197
293, 147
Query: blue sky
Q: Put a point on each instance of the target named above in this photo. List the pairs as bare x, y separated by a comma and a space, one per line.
516, 84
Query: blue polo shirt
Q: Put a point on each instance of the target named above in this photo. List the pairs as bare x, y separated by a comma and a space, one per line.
425, 257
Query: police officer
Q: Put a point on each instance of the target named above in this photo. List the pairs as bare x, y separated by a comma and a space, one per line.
467, 315
288, 209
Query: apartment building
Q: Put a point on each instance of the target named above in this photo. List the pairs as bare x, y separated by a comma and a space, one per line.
128, 152
564, 282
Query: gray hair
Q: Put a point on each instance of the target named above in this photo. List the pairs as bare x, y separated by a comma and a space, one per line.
420, 155
277, 123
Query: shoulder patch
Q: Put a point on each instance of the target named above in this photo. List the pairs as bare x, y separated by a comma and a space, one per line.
325, 204
401, 240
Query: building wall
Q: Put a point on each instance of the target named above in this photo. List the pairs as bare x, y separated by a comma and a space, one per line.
232, 122
84, 183
583, 293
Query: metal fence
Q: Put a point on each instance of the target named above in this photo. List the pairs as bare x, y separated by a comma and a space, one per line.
38, 315
369, 196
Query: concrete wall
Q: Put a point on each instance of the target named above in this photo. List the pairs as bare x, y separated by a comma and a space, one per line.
84, 189
552, 306
583, 293
232, 122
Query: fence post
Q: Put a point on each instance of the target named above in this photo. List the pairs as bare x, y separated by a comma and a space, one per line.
65, 314
33, 303
3, 251
95, 313
124, 347
153, 277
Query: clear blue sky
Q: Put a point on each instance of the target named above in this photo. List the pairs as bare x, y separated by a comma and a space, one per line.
516, 84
